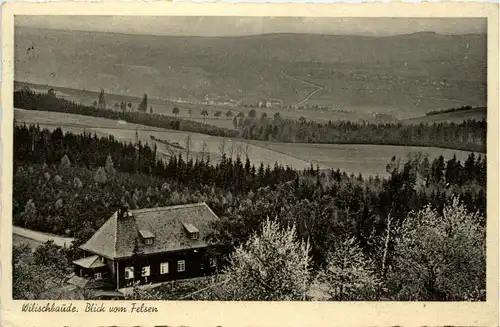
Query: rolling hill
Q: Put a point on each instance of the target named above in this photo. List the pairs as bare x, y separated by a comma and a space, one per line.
450, 117
405, 75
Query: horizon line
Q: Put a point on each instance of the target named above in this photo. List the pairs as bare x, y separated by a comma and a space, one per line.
246, 35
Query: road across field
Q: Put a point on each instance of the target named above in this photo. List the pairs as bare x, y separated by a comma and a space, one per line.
319, 87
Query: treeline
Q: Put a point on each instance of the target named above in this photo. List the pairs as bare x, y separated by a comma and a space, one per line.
33, 145
437, 112
73, 183
27, 99
469, 135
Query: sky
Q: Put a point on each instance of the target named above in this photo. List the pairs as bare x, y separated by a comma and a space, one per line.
211, 26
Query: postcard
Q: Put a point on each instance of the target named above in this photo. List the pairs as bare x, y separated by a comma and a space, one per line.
232, 164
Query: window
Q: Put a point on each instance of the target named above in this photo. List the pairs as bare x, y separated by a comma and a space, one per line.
103, 259
145, 271
129, 272
181, 265
195, 236
98, 276
149, 241
213, 262
164, 268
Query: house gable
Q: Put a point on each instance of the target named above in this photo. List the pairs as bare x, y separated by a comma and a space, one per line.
125, 233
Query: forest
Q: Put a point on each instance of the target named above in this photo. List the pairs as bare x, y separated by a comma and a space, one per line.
469, 135
70, 184
437, 112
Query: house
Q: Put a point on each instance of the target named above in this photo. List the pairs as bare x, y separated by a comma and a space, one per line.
148, 246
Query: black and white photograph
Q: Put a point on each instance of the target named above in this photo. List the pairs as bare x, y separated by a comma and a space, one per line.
249, 158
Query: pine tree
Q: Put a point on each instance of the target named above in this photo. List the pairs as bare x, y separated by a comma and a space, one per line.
101, 101
451, 172
143, 106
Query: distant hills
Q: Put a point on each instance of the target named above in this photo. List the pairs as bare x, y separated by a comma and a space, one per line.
404, 76
451, 117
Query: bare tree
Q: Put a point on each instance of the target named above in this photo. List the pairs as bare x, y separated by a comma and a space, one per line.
231, 150
222, 147
246, 151
203, 150
188, 146
239, 150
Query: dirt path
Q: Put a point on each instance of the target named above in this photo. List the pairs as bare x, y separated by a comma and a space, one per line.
318, 87
40, 237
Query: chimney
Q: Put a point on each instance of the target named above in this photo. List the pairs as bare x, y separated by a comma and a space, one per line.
123, 211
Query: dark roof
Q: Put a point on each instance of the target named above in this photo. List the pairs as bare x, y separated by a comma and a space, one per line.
119, 237
90, 262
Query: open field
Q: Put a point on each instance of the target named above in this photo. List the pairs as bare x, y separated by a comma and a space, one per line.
351, 158
357, 158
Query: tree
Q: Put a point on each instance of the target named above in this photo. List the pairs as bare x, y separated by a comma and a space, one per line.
175, 111
222, 147
437, 169
129, 105
203, 150
217, 114
188, 144
349, 275
151, 110
252, 113
271, 265
77, 183
65, 163
100, 176
190, 112
204, 113
39, 275
109, 166
29, 214
143, 106
101, 101
229, 114
440, 256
